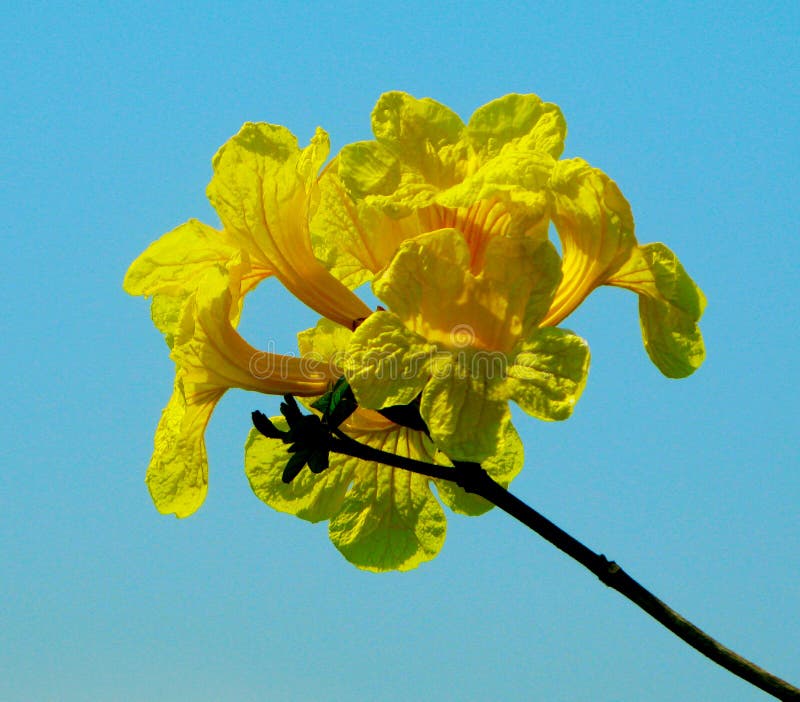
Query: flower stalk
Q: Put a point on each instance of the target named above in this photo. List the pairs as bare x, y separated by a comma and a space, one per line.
474, 479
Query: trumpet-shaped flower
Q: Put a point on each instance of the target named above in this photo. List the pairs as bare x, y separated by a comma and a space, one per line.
265, 190
467, 342
500, 175
381, 518
210, 358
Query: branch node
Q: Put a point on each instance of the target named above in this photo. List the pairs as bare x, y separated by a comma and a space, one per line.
606, 570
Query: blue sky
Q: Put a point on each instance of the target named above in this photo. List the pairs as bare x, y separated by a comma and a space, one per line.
110, 115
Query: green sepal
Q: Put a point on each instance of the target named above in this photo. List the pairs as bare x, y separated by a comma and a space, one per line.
337, 404
262, 423
307, 435
318, 461
295, 465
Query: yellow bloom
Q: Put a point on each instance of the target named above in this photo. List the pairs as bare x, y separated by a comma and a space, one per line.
595, 225
499, 175
467, 342
381, 518
451, 223
265, 190
210, 358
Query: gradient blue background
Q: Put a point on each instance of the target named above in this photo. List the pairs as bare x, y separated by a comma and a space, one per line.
110, 115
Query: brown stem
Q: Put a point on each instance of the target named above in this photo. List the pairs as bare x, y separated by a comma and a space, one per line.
473, 478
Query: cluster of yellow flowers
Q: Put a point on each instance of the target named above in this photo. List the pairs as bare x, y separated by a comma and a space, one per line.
451, 223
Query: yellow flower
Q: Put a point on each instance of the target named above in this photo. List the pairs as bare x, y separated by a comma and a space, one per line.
500, 175
467, 342
595, 225
381, 518
265, 190
210, 358
451, 223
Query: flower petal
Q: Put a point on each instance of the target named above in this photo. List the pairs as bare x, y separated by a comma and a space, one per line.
432, 289
369, 168
353, 239
264, 190
325, 344
670, 305
525, 273
310, 496
516, 178
385, 363
548, 373
390, 519
595, 225
426, 133
382, 518
420, 150
177, 476
519, 121
171, 267
173, 263
465, 416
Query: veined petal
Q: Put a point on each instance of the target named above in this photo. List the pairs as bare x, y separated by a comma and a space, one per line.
670, 305
369, 168
430, 286
547, 373
517, 121
211, 354
353, 239
265, 192
173, 263
465, 415
426, 133
478, 223
516, 178
166, 310
325, 344
382, 518
595, 225
177, 476
420, 150
390, 519
171, 268
525, 273
385, 363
